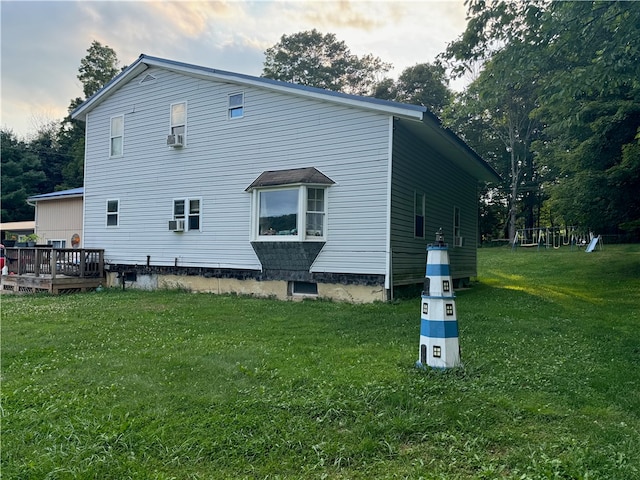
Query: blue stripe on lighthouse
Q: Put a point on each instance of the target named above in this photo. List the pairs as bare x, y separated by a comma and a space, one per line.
439, 328
438, 269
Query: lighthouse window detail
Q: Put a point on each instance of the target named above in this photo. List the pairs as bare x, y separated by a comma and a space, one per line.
425, 308
437, 351
449, 308
445, 286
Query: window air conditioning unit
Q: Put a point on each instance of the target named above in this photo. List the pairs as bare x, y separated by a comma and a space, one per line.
176, 140
459, 241
176, 225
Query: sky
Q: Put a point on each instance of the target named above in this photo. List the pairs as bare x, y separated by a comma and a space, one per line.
42, 42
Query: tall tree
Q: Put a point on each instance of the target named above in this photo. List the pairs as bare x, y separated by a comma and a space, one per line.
424, 84
22, 176
580, 62
590, 103
320, 60
97, 68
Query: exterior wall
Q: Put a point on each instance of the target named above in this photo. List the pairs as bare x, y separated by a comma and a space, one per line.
418, 168
220, 159
59, 219
272, 288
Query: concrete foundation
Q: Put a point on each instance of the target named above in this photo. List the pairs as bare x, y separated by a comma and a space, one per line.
260, 288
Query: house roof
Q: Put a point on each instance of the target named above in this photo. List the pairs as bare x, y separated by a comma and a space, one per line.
73, 192
18, 226
431, 126
308, 175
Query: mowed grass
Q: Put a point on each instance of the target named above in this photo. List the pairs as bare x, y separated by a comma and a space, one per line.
159, 385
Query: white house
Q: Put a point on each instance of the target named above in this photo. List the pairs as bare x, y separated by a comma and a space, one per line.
224, 182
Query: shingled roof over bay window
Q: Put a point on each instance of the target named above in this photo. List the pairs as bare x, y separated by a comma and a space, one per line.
293, 176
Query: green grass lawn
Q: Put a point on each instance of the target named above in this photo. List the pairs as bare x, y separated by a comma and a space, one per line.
117, 385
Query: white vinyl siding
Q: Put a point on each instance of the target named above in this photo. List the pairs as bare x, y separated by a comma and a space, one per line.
348, 145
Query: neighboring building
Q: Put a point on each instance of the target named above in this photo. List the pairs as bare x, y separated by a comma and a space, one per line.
16, 230
58, 217
224, 182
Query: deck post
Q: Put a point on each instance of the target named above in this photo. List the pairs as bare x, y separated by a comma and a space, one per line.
52, 263
83, 256
37, 259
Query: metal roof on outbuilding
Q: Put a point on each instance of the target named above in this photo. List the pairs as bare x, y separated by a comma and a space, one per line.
72, 192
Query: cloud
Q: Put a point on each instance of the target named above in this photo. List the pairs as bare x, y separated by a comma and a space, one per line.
193, 19
43, 42
364, 16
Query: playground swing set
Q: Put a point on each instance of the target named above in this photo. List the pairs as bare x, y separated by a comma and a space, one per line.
556, 237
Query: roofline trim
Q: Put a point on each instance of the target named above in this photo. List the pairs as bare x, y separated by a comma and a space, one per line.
413, 112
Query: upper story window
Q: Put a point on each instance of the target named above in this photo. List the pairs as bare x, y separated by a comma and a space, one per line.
290, 205
113, 213
178, 124
236, 105
116, 136
418, 209
187, 210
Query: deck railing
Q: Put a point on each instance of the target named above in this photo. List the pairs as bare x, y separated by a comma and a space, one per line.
76, 262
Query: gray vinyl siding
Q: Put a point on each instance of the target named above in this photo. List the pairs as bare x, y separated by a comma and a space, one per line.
418, 168
221, 158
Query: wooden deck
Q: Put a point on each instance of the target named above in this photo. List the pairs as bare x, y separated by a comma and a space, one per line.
52, 270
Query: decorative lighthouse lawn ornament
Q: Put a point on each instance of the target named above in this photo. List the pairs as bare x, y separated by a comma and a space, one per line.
439, 345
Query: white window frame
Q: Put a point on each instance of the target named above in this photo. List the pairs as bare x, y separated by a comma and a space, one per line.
235, 108
301, 215
416, 213
187, 212
57, 243
174, 127
115, 213
113, 137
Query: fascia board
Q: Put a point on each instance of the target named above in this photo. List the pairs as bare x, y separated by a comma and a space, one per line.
413, 112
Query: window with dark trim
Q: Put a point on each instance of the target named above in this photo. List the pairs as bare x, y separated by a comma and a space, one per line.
418, 208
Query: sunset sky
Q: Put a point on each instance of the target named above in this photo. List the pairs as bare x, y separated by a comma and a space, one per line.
44, 41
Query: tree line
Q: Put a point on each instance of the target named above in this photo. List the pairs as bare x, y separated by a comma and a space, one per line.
553, 105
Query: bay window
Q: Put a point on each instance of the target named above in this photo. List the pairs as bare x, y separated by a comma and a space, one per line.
290, 205
291, 213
